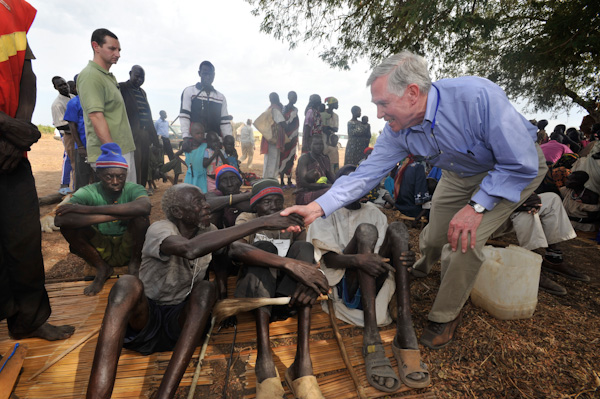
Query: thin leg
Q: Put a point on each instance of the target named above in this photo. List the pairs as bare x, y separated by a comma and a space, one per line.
127, 304
196, 313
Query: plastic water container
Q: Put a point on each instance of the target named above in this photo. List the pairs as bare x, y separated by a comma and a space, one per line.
507, 283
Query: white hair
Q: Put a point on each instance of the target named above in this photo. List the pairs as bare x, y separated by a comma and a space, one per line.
171, 198
403, 69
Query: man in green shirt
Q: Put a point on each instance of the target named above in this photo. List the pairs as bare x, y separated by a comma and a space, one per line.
105, 223
103, 106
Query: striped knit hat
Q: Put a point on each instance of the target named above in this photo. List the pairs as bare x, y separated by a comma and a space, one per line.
225, 168
265, 187
111, 157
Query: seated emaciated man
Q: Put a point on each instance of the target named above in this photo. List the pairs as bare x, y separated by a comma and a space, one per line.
168, 306
105, 223
226, 205
352, 245
278, 264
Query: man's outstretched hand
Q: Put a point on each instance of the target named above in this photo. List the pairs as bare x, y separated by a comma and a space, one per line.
309, 212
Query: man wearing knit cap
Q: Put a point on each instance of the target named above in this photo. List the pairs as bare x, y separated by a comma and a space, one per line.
105, 223
263, 276
226, 204
168, 307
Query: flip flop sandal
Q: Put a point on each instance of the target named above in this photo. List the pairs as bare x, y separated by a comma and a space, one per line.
305, 387
409, 361
376, 363
270, 388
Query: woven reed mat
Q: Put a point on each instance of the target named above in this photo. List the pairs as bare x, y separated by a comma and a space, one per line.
139, 376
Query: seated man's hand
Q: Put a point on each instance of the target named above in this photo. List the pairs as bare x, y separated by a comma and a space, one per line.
371, 264
10, 156
275, 221
308, 274
407, 259
310, 212
21, 134
531, 204
303, 296
70, 208
228, 322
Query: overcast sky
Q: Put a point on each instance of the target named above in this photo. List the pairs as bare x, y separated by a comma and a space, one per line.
169, 39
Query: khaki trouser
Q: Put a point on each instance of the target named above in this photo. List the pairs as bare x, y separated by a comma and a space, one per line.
459, 270
247, 152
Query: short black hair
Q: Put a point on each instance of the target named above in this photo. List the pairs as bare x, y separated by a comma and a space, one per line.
55, 78
206, 63
99, 36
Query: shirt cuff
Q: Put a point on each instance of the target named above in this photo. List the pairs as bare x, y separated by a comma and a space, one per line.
488, 201
328, 205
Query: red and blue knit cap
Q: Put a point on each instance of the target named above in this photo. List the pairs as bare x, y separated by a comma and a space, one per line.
265, 187
225, 168
111, 157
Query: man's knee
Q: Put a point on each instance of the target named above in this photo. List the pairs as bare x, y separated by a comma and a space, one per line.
266, 246
127, 290
366, 233
140, 223
204, 295
302, 250
397, 231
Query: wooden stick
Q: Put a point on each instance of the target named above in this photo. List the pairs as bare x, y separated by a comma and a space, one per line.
338, 337
11, 365
200, 359
65, 353
232, 306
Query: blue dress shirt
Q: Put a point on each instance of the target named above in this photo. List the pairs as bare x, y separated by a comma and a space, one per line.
476, 130
162, 127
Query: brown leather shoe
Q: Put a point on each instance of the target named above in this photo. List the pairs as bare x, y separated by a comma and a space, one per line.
562, 269
551, 287
438, 335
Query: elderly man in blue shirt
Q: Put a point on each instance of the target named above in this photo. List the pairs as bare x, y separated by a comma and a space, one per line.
490, 161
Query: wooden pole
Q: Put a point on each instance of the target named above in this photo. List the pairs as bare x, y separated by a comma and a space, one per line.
65, 353
200, 358
336, 331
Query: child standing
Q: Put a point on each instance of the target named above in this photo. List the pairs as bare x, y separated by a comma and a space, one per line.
213, 158
196, 172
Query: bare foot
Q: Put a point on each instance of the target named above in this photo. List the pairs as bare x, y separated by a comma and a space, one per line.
51, 333
101, 276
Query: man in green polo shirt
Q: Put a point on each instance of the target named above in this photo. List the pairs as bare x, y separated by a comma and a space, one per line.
105, 223
103, 106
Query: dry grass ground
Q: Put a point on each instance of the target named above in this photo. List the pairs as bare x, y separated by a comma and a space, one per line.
554, 354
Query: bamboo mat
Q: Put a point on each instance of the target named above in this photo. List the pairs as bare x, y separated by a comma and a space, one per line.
139, 376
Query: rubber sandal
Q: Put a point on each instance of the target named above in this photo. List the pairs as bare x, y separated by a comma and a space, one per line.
375, 358
409, 361
305, 387
270, 388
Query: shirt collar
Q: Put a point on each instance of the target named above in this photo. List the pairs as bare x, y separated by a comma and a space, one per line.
430, 112
98, 67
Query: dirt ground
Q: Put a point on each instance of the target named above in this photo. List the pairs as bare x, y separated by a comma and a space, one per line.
554, 354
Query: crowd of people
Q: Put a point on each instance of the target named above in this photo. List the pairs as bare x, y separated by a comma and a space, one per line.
472, 183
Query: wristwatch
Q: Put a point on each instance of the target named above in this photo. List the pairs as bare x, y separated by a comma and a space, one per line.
477, 207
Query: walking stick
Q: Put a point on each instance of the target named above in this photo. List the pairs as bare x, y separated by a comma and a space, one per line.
200, 358
65, 353
338, 337
229, 361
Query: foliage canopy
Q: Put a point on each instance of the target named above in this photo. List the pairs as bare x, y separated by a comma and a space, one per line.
546, 51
